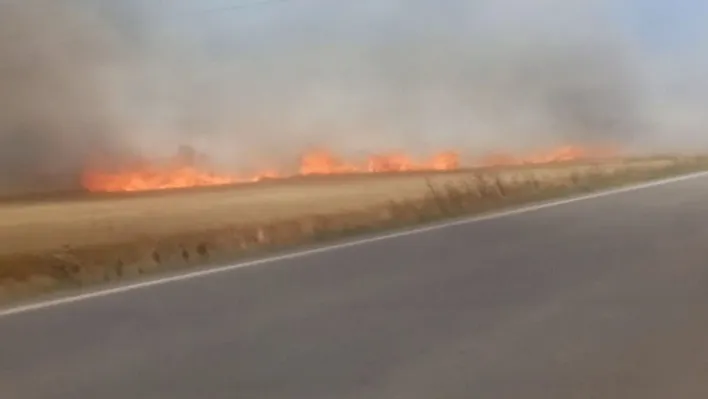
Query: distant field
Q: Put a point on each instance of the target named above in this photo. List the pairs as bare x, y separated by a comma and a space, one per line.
37, 225
74, 240
98, 219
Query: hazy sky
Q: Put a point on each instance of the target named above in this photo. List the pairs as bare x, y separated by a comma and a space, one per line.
665, 24
657, 23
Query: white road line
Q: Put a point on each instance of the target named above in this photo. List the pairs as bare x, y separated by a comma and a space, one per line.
301, 254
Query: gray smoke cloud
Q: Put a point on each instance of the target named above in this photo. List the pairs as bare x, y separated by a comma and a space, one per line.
255, 86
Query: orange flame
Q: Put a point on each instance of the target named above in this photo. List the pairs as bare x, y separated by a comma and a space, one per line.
183, 172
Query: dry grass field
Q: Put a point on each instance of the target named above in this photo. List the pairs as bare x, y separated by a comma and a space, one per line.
75, 241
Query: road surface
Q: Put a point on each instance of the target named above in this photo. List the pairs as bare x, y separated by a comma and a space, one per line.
602, 298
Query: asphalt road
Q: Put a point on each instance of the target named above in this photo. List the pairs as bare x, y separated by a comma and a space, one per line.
604, 298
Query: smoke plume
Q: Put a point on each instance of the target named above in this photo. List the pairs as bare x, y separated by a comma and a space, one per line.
85, 81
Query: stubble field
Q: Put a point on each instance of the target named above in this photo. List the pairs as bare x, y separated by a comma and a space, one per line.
80, 240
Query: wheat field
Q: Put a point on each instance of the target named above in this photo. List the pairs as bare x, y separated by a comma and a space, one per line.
46, 245
38, 225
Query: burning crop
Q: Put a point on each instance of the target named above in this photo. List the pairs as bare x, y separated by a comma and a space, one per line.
186, 170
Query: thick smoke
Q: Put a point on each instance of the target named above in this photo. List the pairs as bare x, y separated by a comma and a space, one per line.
58, 68
88, 80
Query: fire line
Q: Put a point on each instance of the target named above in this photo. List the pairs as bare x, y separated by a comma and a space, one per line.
183, 172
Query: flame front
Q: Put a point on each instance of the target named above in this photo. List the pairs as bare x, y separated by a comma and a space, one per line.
182, 171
